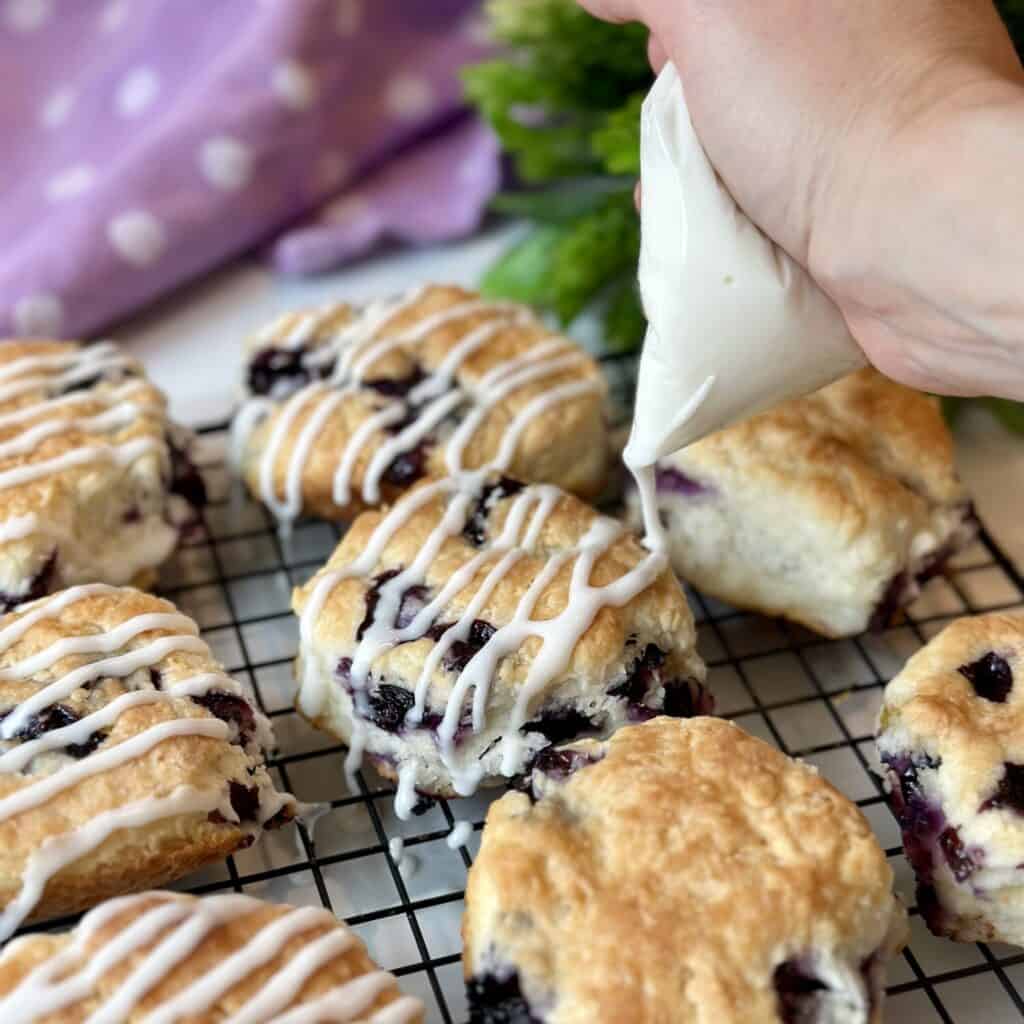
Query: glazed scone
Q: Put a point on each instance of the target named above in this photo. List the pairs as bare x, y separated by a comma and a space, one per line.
127, 757
437, 381
681, 871
479, 621
95, 482
951, 737
829, 510
163, 957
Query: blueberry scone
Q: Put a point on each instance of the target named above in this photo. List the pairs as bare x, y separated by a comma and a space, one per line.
951, 737
164, 957
680, 871
830, 510
127, 757
95, 482
478, 622
356, 404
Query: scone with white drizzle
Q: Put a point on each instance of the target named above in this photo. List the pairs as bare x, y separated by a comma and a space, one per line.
477, 622
830, 510
163, 957
951, 737
681, 871
95, 482
127, 757
353, 405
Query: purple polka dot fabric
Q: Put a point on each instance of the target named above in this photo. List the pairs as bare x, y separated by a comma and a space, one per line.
147, 142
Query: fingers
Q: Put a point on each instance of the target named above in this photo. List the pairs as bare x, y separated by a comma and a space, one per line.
613, 10
656, 53
637, 192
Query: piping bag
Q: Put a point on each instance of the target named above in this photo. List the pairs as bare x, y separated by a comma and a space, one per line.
735, 325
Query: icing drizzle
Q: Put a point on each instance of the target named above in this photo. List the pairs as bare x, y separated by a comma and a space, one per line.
355, 349
58, 383
559, 634
179, 634
169, 929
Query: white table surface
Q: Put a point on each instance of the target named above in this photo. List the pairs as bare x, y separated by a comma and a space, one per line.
190, 344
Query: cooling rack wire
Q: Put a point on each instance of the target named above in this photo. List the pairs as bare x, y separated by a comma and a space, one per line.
810, 697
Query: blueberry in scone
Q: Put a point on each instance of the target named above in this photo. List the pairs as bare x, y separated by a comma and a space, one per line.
680, 871
127, 756
96, 483
480, 621
348, 406
831, 510
951, 738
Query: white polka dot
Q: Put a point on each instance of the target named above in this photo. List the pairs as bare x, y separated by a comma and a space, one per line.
137, 91
38, 315
348, 16
345, 210
56, 109
26, 15
476, 30
409, 97
294, 85
70, 182
332, 168
137, 236
113, 15
225, 163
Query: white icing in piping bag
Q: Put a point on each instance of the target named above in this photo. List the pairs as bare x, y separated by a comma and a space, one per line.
735, 325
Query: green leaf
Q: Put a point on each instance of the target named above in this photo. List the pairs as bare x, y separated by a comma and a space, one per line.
522, 273
1010, 414
597, 248
594, 63
624, 320
617, 141
562, 203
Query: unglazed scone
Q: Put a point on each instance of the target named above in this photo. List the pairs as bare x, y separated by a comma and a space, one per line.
95, 482
164, 957
682, 871
127, 757
829, 510
479, 621
951, 737
359, 403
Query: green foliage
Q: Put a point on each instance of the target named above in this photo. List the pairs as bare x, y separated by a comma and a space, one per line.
616, 142
565, 102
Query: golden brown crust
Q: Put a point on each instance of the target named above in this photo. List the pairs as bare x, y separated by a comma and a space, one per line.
858, 477
598, 663
166, 847
954, 717
227, 937
566, 444
669, 880
102, 510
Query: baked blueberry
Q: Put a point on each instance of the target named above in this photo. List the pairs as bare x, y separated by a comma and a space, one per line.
951, 738
349, 406
98, 483
527, 647
681, 871
831, 510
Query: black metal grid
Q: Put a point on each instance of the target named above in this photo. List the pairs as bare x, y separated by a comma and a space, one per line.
810, 697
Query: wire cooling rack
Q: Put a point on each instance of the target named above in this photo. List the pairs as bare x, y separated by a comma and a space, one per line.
812, 698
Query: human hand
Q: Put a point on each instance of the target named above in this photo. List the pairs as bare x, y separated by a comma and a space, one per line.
879, 144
